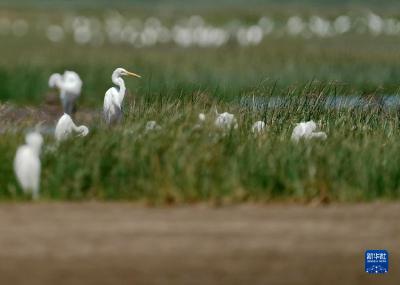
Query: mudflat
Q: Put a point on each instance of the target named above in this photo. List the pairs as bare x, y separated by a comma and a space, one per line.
123, 243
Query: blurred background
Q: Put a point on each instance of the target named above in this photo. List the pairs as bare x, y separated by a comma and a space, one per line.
233, 47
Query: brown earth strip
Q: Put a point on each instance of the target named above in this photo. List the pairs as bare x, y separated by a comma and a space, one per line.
121, 243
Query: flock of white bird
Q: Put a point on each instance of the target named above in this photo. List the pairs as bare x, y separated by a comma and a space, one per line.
27, 164
194, 31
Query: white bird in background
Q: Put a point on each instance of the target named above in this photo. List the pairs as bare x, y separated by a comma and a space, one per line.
306, 130
27, 164
70, 86
201, 121
225, 121
65, 127
202, 117
114, 97
258, 127
152, 125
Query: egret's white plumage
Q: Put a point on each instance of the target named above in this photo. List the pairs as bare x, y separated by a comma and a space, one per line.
258, 127
70, 86
201, 121
306, 130
202, 117
226, 121
27, 165
113, 98
152, 125
65, 127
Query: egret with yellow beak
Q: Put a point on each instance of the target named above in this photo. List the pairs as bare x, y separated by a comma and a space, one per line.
114, 97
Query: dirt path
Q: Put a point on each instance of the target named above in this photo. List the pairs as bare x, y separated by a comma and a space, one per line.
94, 243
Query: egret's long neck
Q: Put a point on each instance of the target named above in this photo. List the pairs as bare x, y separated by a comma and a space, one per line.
75, 127
36, 148
82, 130
117, 80
79, 129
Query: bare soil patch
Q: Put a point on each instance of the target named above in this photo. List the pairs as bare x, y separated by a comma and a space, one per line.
121, 243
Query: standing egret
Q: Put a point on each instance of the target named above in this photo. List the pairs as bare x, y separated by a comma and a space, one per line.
306, 130
114, 97
258, 127
70, 86
27, 164
226, 121
65, 127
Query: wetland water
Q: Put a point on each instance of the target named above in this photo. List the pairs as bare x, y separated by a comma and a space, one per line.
327, 102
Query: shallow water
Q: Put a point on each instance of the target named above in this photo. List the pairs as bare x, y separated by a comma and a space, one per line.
328, 102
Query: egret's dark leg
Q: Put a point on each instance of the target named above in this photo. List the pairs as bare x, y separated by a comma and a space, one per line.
69, 107
115, 118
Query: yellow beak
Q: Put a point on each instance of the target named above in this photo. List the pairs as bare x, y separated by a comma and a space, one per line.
133, 74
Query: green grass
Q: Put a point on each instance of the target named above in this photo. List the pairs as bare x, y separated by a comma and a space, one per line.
359, 67
179, 164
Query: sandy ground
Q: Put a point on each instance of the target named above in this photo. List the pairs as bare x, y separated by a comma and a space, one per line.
95, 243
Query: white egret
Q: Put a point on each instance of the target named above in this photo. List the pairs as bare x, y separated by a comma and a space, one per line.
65, 127
114, 97
202, 117
201, 121
70, 86
306, 130
27, 164
226, 121
258, 127
152, 125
